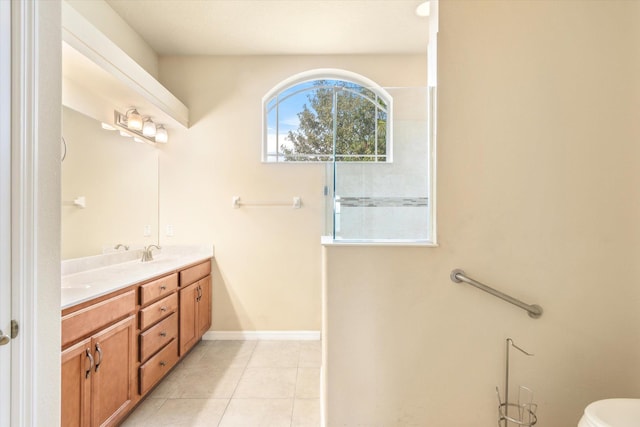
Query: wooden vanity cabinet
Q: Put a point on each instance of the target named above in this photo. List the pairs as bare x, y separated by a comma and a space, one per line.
98, 376
77, 366
195, 313
113, 383
158, 330
158, 366
158, 336
116, 348
195, 304
204, 307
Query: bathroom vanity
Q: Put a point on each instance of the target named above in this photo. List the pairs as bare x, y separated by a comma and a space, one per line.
125, 323
124, 327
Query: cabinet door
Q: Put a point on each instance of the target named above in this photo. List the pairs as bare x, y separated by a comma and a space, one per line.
113, 385
77, 369
188, 317
204, 306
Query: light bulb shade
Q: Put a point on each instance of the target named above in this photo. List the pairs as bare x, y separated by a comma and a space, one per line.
161, 134
423, 9
148, 128
134, 119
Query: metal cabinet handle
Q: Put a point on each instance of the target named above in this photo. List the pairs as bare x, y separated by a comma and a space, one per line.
163, 363
88, 355
163, 334
98, 361
163, 308
163, 288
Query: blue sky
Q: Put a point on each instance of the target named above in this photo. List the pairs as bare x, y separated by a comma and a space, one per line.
288, 115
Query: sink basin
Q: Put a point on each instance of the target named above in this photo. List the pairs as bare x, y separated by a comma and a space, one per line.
161, 260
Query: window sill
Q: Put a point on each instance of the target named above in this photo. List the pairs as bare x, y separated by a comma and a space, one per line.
330, 241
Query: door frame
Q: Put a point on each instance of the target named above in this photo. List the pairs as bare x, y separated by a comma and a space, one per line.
5, 208
35, 210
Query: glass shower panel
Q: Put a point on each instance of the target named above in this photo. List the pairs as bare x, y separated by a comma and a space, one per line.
386, 200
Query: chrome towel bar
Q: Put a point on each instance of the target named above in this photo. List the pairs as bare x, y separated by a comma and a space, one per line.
296, 203
534, 310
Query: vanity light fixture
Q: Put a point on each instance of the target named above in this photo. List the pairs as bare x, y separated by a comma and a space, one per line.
134, 119
148, 132
423, 9
161, 134
148, 127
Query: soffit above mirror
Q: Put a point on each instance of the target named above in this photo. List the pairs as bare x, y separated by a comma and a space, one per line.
99, 77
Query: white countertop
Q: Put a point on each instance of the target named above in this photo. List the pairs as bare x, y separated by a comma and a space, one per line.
85, 285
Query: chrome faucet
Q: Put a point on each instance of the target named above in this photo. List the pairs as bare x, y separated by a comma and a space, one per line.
147, 255
120, 245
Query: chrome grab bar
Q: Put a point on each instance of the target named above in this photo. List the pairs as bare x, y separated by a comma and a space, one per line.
534, 310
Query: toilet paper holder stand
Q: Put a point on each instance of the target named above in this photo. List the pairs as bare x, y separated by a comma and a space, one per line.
522, 412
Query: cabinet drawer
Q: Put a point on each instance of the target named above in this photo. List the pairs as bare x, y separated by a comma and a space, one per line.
157, 336
191, 274
152, 371
158, 288
83, 322
158, 310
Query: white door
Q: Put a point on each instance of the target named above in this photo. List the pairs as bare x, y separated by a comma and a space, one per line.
5, 212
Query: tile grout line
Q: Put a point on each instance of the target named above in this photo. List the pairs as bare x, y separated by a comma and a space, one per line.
295, 387
295, 390
238, 383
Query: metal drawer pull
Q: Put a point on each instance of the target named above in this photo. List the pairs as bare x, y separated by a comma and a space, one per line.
90, 357
163, 288
163, 363
163, 334
99, 361
163, 308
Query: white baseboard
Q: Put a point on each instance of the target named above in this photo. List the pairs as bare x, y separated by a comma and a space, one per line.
263, 335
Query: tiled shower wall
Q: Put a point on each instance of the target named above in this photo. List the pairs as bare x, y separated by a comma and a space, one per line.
388, 200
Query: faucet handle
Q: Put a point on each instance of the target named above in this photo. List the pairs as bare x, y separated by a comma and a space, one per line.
147, 255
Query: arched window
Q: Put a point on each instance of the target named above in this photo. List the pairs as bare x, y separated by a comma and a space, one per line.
327, 115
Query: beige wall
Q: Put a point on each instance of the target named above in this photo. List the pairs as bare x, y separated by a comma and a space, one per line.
268, 259
539, 195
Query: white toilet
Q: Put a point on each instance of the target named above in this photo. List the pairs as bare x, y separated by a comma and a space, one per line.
612, 413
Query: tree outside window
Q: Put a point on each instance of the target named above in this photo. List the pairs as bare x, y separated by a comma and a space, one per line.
323, 120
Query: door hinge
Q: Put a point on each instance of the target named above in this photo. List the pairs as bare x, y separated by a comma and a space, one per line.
14, 329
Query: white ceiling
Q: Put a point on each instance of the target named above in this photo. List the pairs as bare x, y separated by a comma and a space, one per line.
277, 27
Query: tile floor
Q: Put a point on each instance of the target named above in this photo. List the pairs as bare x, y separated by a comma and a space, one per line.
238, 383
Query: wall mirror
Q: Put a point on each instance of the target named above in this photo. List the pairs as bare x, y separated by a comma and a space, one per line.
109, 182
116, 179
